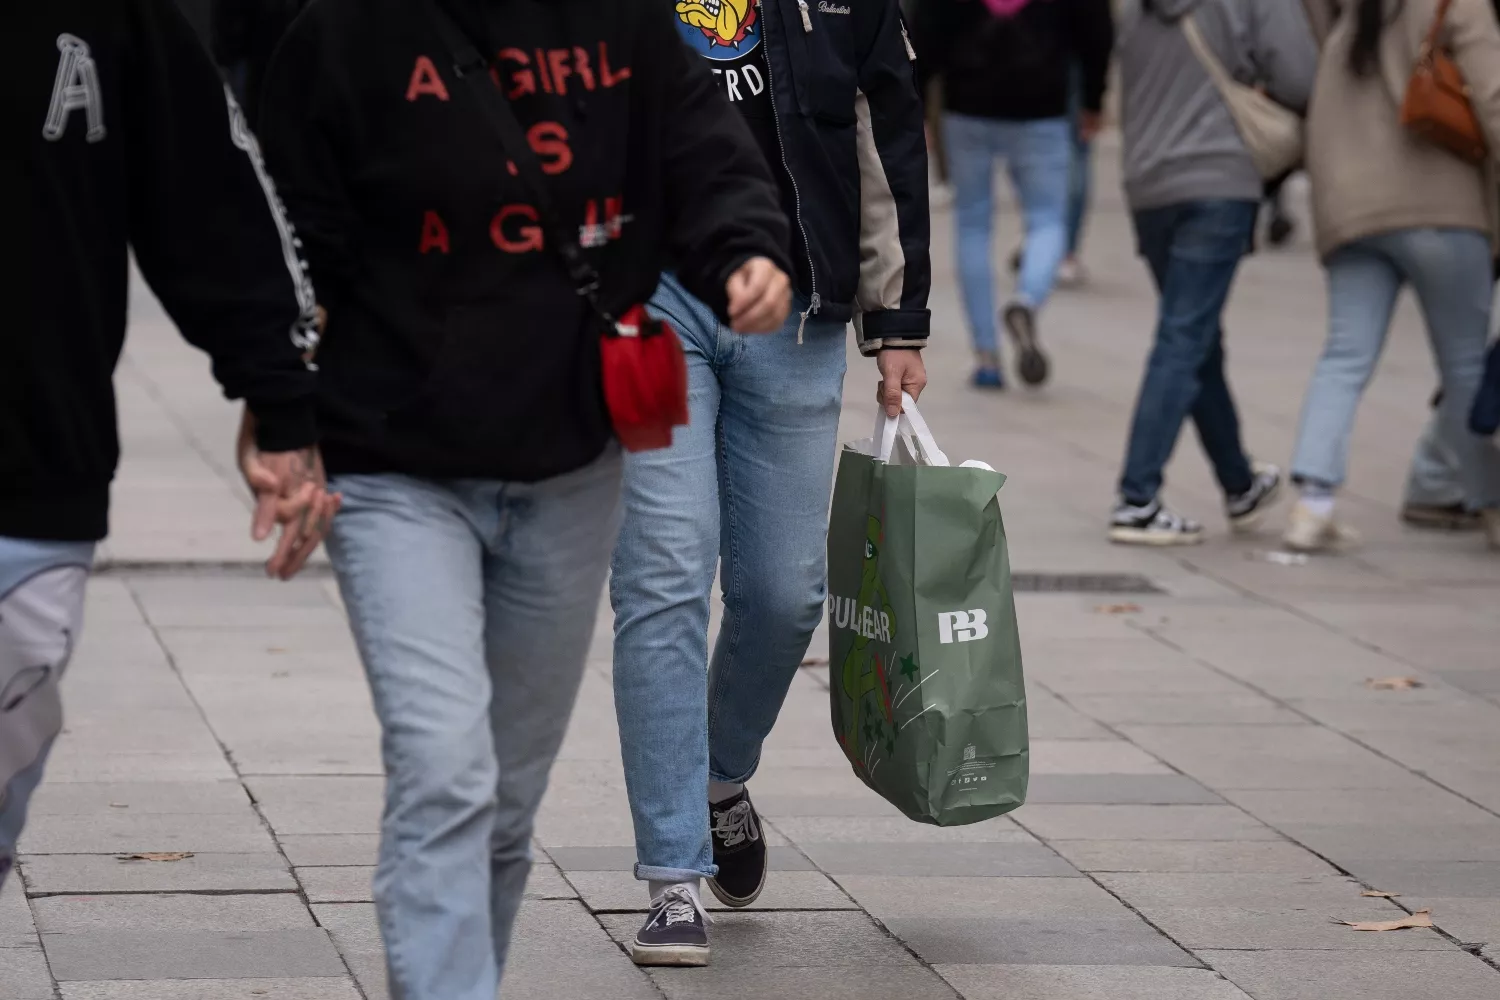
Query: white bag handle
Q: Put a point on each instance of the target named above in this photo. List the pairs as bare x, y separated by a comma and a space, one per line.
912, 427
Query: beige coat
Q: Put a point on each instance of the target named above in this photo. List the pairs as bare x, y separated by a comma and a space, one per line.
1369, 175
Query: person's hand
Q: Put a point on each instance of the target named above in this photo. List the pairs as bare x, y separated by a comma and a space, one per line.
1089, 125
290, 490
901, 370
760, 295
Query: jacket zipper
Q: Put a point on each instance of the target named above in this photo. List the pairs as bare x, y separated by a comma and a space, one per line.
814, 302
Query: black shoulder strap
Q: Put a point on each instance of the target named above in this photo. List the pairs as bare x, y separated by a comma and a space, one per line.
474, 70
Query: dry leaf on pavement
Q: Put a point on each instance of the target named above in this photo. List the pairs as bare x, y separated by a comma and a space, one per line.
1377, 894
815, 661
1117, 609
1422, 918
1392, 683
155, 856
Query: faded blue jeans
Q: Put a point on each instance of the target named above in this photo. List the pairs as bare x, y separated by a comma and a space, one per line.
1081, 167
1450, 271
1193, 250
1039, 155
472, 603
41, 615
745, 486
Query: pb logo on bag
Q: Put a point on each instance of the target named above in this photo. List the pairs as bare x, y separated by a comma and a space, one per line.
962, 626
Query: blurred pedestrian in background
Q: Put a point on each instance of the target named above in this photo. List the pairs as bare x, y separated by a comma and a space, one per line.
1194, 192
1005, 67
120, 139
1391, 208
462, 398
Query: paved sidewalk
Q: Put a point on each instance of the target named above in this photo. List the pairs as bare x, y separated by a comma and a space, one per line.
1214, 785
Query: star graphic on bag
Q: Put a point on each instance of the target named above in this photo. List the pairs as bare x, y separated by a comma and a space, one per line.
909, 667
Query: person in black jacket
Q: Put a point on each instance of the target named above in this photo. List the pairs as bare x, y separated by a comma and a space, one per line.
829, 92
460, 387
1004, 66
120, 137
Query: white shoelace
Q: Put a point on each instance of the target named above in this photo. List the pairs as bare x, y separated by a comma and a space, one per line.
734, 826
679, 906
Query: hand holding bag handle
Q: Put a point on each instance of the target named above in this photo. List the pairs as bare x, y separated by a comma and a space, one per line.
910, 425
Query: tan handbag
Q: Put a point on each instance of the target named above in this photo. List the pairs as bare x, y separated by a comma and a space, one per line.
1271, 133
1436, 106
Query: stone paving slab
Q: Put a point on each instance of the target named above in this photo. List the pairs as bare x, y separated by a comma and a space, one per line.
959, 859
1087, 982
170, 912
183, 954
620, 891
748, 940
116, 831
1162, 789
1127, 822
325, 850
1469, 920
1000, 940
1191, 856
1474, 879
214, 989
886, 896
859, 983
894, 828
24, 974
94, 873
1318, 975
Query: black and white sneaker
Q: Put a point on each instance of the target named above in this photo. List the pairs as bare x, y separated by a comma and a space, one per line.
676, 932
1020, 320
1153, 524
739, 851
1246, 510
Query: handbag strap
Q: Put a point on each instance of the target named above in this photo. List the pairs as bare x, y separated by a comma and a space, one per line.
1430, 43
474, 70
1222, 81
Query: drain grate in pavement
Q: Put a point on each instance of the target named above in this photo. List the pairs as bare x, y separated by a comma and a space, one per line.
1083, 583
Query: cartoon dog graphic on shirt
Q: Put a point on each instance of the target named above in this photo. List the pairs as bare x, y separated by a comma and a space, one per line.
723, 22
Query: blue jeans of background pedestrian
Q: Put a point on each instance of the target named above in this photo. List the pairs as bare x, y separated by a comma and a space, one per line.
745, 486
1450, 271
1193, 250
1080, 168
1038, 155
41, 615
472, 603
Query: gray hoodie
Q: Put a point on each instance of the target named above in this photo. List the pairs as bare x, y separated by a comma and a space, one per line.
1180, 141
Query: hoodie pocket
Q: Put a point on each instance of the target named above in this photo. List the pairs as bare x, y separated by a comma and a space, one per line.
493, 369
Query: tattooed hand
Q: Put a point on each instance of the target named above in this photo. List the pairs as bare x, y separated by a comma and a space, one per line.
290, 490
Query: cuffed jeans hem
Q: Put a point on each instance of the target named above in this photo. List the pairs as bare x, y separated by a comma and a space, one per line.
655, 873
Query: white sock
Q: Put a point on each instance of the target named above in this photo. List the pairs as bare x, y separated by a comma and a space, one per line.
657, 888
1318, 504
720, 791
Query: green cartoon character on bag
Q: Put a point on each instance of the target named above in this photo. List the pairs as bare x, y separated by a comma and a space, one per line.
868, 716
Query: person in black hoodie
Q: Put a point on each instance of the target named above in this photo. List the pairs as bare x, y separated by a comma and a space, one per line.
121, 137
460, 387
1004, 66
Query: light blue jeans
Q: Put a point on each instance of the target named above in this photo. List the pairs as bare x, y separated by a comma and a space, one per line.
1081, 167
745, 484
41, 615
472, 603
1434, 479
1450, 271
1039, 155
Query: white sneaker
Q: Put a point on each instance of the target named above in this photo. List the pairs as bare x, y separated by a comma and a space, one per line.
1311, 532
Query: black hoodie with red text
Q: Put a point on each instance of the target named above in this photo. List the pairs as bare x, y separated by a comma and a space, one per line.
456, 345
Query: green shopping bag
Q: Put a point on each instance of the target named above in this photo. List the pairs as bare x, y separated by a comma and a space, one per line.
924, 659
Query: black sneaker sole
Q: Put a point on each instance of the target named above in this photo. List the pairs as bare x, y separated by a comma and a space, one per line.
1032, 365
738, 902
669, 955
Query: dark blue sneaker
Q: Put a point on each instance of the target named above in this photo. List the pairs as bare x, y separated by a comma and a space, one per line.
988, 378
